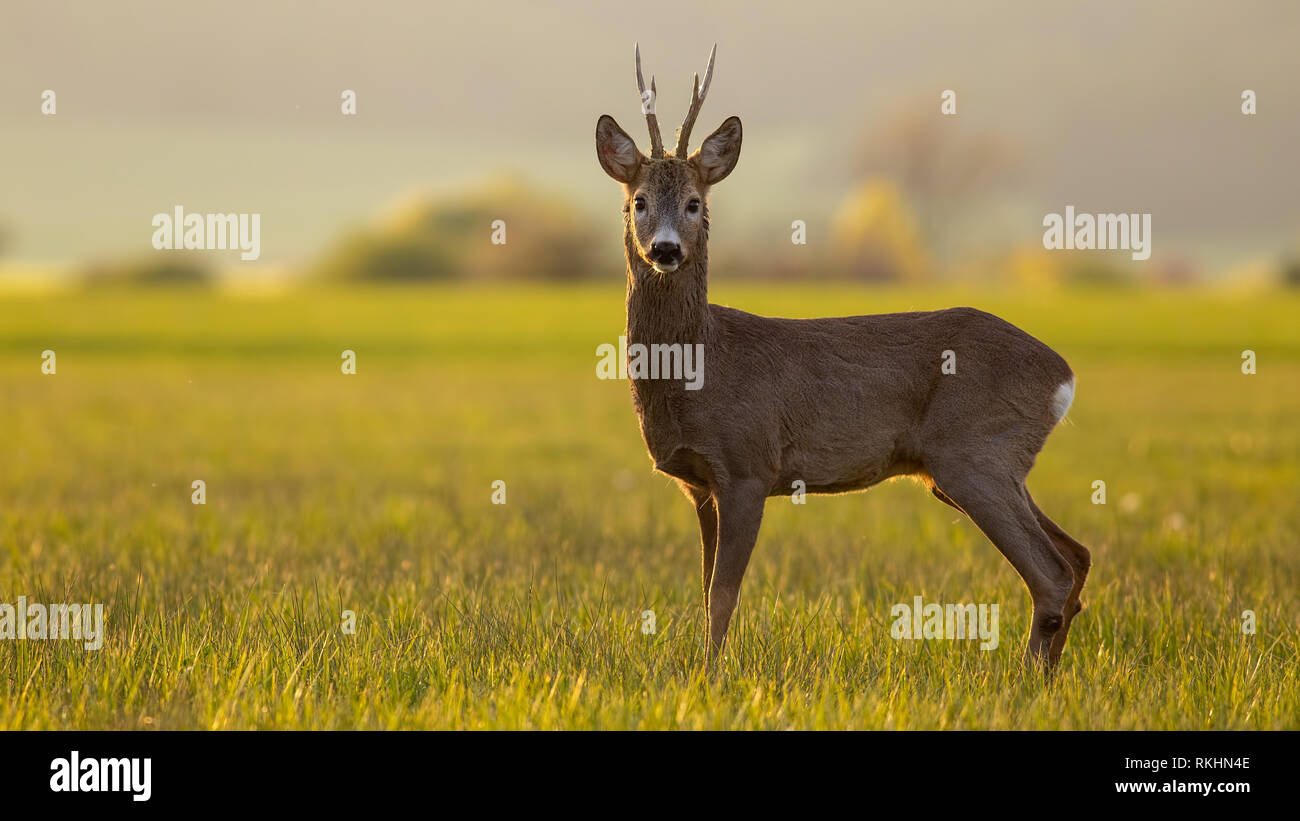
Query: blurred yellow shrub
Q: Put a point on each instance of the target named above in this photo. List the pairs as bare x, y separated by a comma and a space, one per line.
875, 235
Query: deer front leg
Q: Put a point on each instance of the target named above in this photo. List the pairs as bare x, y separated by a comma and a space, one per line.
739, 513
707, 512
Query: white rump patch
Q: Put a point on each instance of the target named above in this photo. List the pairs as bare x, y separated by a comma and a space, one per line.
1062, 399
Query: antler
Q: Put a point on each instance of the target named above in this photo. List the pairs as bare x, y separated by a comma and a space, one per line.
648, 108
698, 94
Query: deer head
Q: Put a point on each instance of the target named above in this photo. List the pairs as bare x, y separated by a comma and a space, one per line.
665, 194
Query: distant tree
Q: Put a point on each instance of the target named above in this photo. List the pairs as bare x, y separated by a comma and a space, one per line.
160, 269
500, 231
939, 167
1291, 271
381, 257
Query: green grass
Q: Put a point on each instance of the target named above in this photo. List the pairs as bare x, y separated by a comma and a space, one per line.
372, 493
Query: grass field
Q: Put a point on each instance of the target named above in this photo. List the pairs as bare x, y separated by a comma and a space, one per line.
372, 493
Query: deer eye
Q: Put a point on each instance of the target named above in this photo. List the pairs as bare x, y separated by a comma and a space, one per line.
693, 207
640, 204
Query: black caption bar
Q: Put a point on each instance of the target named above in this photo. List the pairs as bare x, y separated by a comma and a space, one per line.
150, 771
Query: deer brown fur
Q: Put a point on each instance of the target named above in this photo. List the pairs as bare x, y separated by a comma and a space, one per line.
839, 403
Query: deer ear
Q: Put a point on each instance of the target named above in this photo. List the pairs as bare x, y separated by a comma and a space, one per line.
616, 151
718, 154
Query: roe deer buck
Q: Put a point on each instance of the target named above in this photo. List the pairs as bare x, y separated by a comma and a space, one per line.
840, 403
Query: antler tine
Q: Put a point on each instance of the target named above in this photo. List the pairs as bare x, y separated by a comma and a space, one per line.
708, 72
648, 108
698, 93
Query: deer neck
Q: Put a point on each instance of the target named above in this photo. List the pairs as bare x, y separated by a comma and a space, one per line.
667, 308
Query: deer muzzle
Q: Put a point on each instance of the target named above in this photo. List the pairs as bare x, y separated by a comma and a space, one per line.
665, 255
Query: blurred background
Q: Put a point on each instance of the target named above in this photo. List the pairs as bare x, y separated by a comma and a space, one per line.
469, 113
372, 489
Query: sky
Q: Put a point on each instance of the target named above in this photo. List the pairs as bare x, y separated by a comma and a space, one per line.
235, 106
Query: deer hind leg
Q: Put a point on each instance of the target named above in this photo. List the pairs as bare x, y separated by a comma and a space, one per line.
994, 501
740, 513
1079, 559
707, 511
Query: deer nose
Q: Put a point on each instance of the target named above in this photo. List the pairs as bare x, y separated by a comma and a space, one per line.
664, 251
